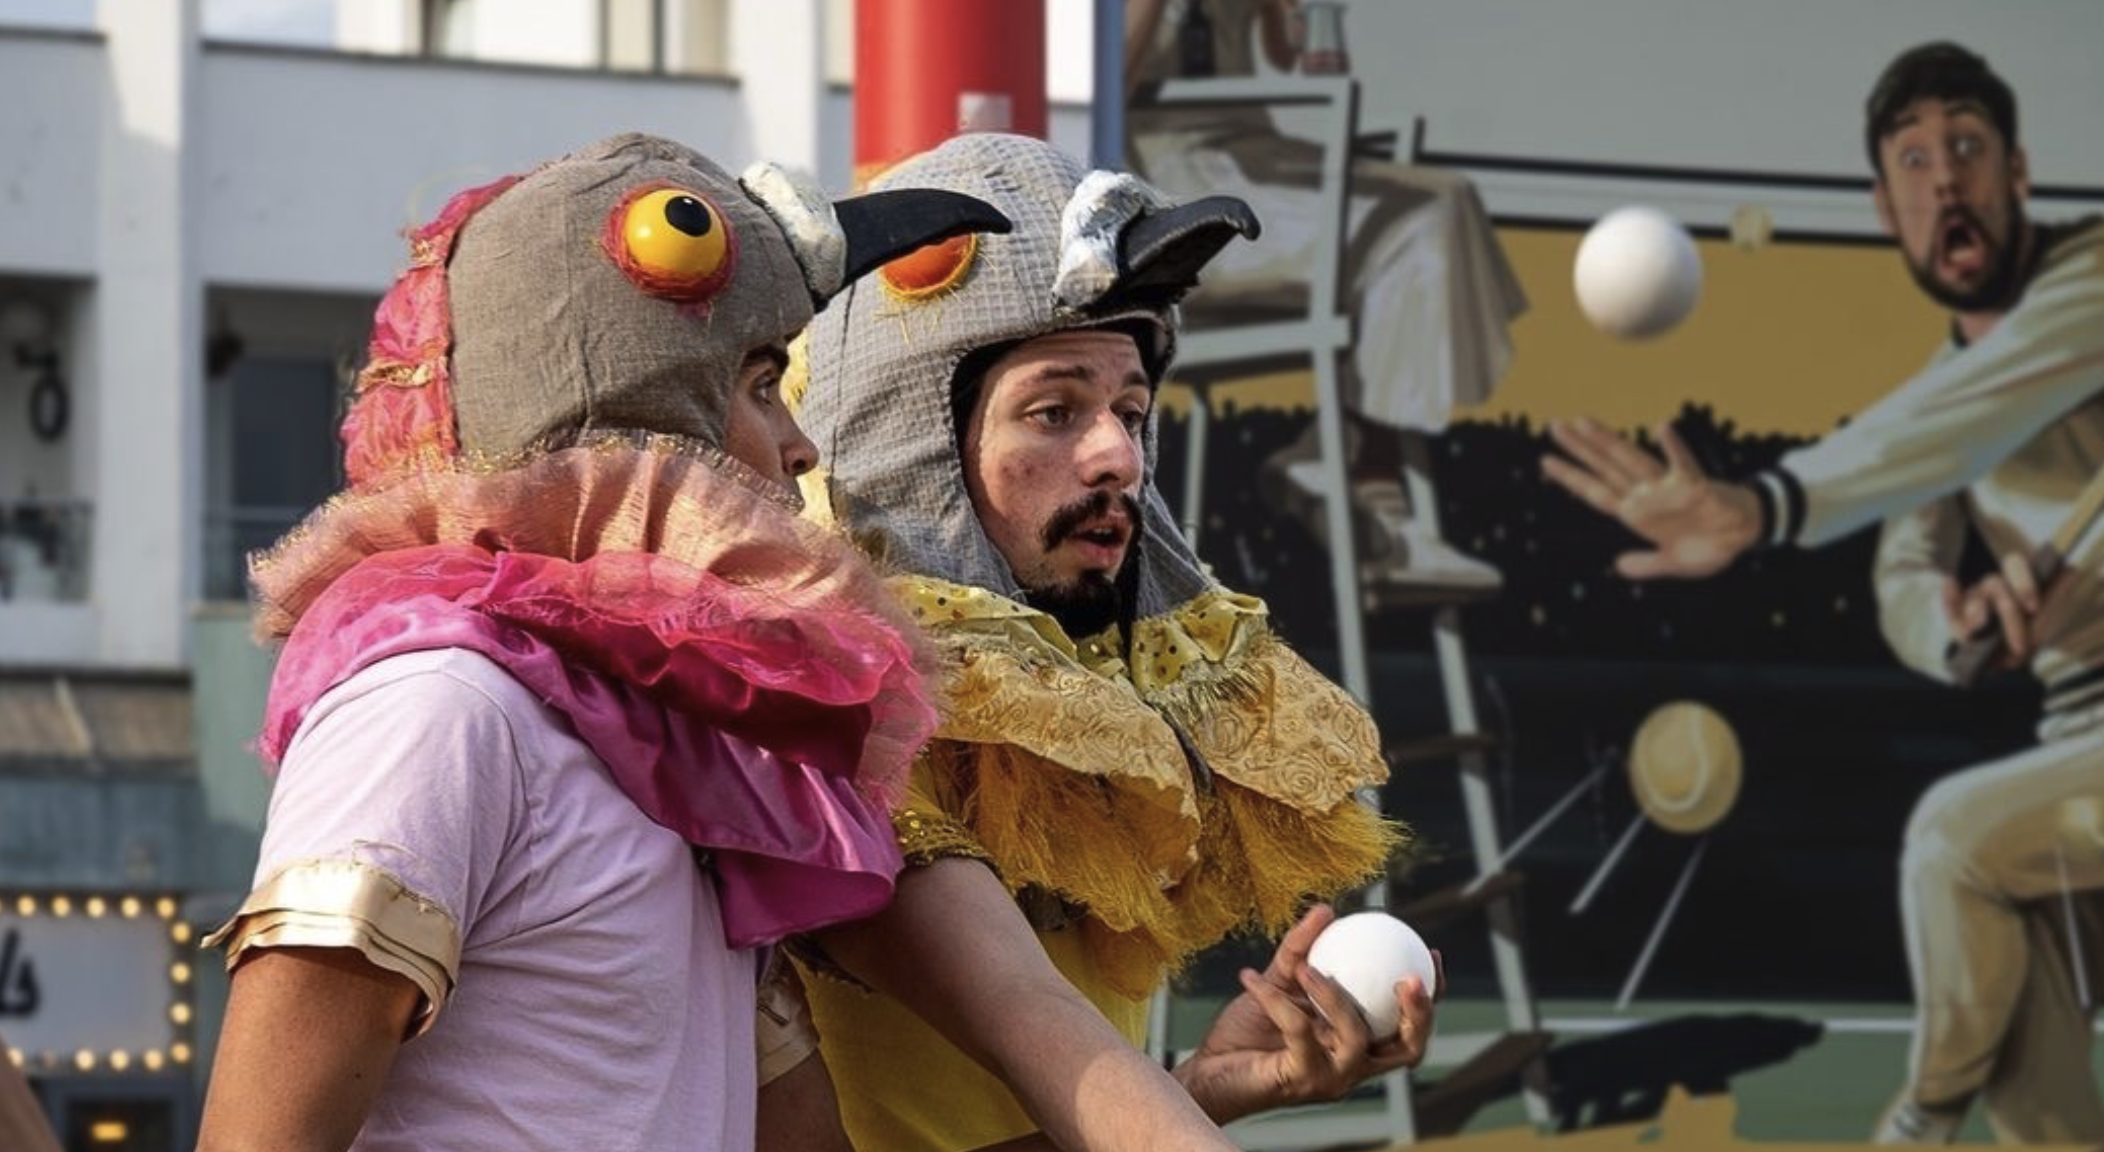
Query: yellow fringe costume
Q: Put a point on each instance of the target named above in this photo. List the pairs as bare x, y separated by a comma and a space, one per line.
1059, 765
1140, 806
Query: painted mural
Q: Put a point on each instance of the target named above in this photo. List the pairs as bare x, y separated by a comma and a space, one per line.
1751, 841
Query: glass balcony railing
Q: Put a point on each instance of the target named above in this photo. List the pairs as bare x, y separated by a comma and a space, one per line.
231, 533
44, 550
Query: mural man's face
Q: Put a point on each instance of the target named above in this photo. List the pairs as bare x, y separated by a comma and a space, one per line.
1053, 461
1951, 191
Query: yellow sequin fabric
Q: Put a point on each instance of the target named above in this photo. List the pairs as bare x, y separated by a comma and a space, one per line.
926, 836
1059, 763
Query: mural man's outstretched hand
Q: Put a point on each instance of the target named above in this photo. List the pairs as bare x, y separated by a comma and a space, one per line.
1696, 525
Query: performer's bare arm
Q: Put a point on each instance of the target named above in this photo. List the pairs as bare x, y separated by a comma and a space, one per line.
308, 1038
954, 948
22, 1124
799, 1111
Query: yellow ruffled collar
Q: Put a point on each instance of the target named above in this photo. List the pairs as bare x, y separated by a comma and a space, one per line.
1211, 668
1071, 768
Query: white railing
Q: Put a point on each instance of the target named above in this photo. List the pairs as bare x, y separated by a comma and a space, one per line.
231, 534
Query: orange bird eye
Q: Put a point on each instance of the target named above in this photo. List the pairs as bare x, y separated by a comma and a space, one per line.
930, 271
672, 242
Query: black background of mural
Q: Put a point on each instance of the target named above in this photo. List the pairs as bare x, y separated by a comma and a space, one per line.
1796, 897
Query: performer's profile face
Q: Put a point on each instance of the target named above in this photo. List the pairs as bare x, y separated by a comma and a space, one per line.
1950, 190
758, 430
1053, 459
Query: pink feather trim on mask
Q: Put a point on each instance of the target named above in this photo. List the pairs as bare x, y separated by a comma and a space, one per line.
403, 415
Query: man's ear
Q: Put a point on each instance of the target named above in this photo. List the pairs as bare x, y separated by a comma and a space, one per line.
2020, 173
1881, 197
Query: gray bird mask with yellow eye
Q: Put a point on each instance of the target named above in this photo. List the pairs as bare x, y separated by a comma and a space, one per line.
620, 289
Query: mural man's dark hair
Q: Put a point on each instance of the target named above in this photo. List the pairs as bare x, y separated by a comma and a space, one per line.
1939, 71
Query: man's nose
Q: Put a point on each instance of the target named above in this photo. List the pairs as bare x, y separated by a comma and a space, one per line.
1945, 171
1111, 454
799, 454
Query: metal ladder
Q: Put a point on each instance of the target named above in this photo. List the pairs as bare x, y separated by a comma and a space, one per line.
1481, 1064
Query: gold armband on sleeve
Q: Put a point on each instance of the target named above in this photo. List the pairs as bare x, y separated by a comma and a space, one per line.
346, 904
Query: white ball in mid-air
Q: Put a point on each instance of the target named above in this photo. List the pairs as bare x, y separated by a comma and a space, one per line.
1369, 953
1638, 274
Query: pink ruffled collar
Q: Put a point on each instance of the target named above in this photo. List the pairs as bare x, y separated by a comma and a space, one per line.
764, 703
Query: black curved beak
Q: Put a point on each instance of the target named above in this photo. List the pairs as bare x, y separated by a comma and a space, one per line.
883, 226
1162, 252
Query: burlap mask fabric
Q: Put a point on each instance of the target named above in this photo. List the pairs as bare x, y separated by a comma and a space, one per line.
550, 346
890, 440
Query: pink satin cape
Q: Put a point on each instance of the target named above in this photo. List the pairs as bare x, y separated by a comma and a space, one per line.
766, 710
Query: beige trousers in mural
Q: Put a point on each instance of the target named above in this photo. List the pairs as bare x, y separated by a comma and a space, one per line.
1998, 858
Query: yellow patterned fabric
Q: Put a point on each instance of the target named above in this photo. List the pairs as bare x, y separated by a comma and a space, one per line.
903, 1088
926, 835
1060, 764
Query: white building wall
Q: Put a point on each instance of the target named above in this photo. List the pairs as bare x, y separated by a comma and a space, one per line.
51, 97
313, 165
147, 423
789, 35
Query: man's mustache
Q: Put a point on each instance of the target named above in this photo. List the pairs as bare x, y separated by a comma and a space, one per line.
1097, 505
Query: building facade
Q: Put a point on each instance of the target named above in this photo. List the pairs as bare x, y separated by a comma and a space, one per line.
194, 228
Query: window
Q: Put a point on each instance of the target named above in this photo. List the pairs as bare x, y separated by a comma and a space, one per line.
271, 457
631, 35
449, 28
694, 34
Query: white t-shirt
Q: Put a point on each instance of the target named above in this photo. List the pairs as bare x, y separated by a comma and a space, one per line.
596, 1005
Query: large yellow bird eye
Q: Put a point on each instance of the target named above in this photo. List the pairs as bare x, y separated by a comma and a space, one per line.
672, 242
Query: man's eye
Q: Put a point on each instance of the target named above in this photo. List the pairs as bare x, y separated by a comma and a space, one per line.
1967, 147
1914, 157
766, 388
1135, 420
1053, 416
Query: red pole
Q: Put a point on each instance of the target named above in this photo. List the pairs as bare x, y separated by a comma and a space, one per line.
926, 70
